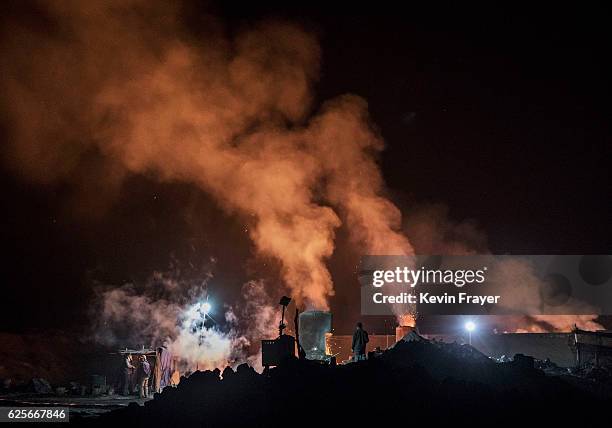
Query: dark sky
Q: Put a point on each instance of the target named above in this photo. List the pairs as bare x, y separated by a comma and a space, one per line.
501, 115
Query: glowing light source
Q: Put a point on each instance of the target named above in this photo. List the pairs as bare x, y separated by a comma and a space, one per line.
470, 326
206, 307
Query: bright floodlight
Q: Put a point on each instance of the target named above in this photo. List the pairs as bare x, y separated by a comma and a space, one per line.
470, 326
206, 307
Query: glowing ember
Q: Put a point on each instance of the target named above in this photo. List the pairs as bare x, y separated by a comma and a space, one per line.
407, 320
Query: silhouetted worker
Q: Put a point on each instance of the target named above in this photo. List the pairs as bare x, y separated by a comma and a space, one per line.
360, 340
128, 374
144, 371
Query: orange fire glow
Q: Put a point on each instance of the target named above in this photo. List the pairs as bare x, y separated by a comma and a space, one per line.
407, 320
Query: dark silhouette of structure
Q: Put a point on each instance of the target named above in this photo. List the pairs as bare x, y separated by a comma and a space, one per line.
416, 380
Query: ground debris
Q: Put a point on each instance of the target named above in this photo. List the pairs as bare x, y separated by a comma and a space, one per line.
39, 386
446, 382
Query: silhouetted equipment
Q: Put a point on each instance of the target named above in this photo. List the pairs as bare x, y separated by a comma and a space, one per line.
284, 302
313, 328
275, 351
523, 361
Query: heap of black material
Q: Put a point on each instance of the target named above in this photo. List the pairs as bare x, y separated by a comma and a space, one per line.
414, 380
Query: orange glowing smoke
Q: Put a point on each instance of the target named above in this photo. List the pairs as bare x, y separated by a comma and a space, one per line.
557, 323
114, 87
105, 89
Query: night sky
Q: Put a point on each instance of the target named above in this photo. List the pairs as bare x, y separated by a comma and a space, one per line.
502, 116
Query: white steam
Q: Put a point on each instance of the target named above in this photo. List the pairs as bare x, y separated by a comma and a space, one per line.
179, 315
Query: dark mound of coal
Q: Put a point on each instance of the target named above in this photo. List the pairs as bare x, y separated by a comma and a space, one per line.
411, 382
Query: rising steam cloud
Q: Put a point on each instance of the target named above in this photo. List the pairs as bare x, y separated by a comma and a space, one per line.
121, 83
174, 312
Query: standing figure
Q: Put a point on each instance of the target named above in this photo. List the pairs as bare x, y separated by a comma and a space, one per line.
144, 371
128, 375
360, 340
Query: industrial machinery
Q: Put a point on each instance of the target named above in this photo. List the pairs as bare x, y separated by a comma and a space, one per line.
275, 351
313, 328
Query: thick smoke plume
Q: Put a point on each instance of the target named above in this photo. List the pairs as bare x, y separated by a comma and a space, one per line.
433, 232
122, 83
178, 314
96, 91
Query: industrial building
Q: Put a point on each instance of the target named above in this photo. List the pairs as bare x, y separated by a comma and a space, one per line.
592, 347
571, 349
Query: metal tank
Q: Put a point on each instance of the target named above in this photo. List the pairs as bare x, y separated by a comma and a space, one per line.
313, 327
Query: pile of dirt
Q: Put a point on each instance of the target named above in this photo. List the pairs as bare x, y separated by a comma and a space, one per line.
416, 379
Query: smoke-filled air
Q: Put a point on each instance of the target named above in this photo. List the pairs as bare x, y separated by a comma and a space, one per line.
108, 89
230, 113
